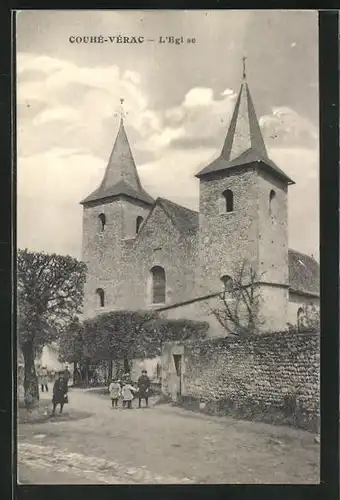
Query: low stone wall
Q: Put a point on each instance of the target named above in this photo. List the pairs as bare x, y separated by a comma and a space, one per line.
272, 378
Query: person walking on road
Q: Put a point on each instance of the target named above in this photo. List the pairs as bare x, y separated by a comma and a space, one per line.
115, 391
143, 388
59, 393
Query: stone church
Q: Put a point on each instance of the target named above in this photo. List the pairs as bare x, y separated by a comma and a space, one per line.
143, 253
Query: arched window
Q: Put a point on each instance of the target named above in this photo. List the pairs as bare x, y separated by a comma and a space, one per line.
227, 282
102, 220
300, 318
139, 222
101, 295
272, 196
158, 285
229, 200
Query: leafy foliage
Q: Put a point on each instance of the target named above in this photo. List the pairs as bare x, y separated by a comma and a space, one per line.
119, 335
50, 294
71, 342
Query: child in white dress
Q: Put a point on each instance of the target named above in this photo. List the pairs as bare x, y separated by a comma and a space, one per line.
127, 392
114, 389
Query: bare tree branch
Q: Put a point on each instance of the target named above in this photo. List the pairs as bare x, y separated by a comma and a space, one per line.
237, 310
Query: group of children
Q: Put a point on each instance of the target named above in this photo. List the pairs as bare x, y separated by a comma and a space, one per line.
125, 390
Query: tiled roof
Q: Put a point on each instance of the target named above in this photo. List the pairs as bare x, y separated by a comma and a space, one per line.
244, 129
304, 273
183, 218
121, 188
249, 156
244, 141
121, 176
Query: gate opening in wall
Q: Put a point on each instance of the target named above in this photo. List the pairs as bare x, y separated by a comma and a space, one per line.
178, 366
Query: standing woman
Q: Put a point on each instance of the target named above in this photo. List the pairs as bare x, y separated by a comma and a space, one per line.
59, 393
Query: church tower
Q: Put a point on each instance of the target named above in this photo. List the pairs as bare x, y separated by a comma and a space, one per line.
244, 215
112, 216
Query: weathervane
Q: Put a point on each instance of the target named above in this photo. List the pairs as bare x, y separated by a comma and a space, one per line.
244, 67
122, 113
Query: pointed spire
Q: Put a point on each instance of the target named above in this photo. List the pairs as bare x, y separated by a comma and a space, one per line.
244, 142
244, 131
121, 176
121, 165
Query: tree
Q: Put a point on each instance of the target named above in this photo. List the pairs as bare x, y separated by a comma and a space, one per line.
50, 293
237, 308
172, 330
121, 336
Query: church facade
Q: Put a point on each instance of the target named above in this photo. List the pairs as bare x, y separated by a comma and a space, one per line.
143, 253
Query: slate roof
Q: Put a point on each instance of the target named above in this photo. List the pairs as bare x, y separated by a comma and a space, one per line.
304, 273
183, 218
121, 188
121, 176
248, 156
244, 141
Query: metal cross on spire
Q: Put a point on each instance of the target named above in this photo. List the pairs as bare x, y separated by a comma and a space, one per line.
244, 76
122, 113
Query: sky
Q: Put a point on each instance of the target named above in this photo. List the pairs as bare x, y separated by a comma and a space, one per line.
178, 101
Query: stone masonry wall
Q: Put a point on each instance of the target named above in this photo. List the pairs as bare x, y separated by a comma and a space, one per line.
226, 239
159, 244
272, 378
295, 302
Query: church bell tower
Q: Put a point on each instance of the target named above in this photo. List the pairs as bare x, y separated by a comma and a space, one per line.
112, 217
244, 215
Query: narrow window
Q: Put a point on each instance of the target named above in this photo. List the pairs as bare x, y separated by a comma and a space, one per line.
300, 318
102, 220
229, 200
227, 282
158, 285
101, 295
139, 222
272, 196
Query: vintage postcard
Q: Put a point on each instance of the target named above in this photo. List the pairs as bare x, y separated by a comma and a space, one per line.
168, 247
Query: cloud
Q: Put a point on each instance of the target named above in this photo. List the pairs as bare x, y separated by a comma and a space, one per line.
68, 94
287, 127
200, 119
58, 176
198, 97
302, 166
50, 187
62, 113
66, 129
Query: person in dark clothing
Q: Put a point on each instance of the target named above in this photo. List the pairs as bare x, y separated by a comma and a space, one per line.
143, 388
59, 393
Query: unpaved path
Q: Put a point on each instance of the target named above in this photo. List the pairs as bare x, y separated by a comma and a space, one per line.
164, 444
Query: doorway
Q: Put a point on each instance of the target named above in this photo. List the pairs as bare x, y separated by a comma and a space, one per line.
178, 366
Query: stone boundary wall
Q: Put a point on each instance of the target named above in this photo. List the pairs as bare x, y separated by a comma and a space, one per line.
273, 378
